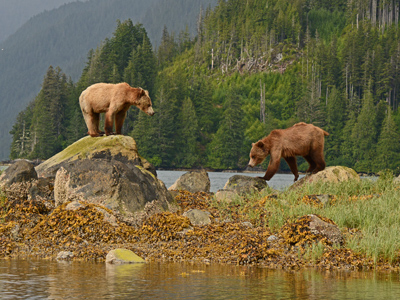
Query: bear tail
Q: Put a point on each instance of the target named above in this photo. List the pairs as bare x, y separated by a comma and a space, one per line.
325, 133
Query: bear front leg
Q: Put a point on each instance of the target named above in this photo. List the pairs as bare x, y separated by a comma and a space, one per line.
108, 123
291, 161
119, 121
272, 169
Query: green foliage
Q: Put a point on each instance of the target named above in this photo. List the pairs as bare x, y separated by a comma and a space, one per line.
255, 66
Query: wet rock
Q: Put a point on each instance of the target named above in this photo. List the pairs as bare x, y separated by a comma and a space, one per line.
328, 230
242, 184
65, 255
198, 217
193, 181
330, 174
123, 256
20, 171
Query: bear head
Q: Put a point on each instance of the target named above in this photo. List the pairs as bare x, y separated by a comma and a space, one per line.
259, 151
144, 102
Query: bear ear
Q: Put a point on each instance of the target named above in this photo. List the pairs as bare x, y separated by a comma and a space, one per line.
260, 144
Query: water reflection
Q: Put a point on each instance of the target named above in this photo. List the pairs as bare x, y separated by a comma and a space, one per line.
22, 279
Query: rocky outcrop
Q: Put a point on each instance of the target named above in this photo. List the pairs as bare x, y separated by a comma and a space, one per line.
19, 171
325, 229
111, 148
193, 181
330, 174
107, 171
241, 184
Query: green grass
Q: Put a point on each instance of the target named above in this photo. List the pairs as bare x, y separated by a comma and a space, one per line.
368, 208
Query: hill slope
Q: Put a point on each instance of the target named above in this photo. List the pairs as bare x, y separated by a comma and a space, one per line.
62, 37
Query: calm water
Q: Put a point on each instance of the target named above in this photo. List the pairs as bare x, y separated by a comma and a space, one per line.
218, 179
21, 279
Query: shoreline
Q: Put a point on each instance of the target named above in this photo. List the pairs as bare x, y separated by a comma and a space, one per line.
240, 233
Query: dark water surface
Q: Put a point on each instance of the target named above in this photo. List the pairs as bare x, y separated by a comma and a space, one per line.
22, 279
218, 179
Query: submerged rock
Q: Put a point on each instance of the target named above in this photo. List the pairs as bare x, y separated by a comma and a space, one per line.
65, 255
19, 171
123, 256
193, 182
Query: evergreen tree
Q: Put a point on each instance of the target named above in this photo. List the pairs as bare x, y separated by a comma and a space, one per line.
335, 120
48, 115
226, 151
21, 144
187, 156
364, 134
388, 149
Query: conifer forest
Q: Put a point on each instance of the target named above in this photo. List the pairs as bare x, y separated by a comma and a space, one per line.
254, 66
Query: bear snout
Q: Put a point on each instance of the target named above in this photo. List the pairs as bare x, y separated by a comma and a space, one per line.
150, 111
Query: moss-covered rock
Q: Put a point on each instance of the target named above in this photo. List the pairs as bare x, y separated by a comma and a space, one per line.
123, 256
107, 171
113, 148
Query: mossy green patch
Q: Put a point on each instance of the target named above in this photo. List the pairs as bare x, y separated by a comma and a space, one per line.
127, 256
87, 147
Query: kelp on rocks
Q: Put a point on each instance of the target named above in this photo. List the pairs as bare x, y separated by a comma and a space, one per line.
34, 228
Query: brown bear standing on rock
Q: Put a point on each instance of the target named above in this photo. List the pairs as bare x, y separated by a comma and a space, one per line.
301, 139
114, 100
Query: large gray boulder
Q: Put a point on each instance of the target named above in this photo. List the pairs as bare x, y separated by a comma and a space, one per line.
241, 184
19, 171
107, 148
193, 181
115, 177
333, 174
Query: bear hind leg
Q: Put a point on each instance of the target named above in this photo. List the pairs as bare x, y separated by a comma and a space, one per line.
119, 121
311, 162
319, 163
292, 162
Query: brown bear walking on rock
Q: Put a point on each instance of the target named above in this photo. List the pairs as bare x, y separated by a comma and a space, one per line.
114, 100
301, 139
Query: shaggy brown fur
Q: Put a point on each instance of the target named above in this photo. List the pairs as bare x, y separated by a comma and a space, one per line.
114, 100
301, 139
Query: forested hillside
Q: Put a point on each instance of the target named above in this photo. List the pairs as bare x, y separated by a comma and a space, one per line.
253, 66
62, 37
